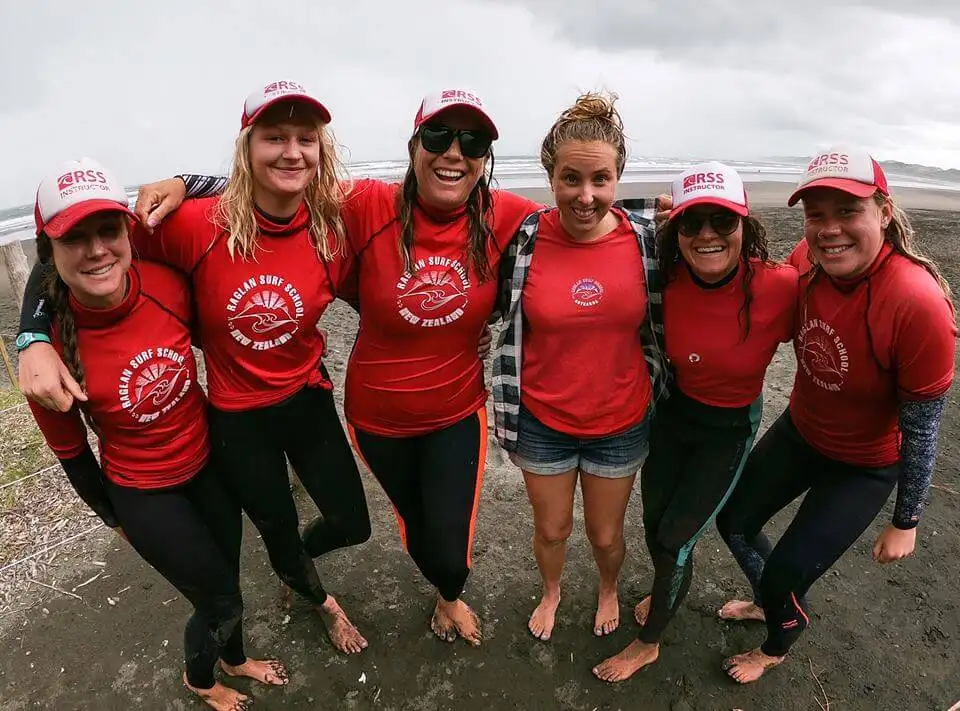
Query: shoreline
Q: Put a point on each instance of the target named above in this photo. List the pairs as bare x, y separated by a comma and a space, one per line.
765, 194
769, 193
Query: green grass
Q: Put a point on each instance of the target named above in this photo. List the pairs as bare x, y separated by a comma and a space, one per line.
22, 447
9, 397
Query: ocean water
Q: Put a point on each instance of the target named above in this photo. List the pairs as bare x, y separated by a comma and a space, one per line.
513, 172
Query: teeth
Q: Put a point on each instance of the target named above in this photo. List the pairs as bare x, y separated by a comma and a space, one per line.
100, 270
584, 212
709, 250
836, 250
449, 174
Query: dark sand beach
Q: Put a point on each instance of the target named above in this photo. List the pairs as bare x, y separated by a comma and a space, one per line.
881, 638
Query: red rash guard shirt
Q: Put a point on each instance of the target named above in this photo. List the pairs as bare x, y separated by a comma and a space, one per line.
414, 368
704, 329
863, 346
142, 385
257, 317
583, 370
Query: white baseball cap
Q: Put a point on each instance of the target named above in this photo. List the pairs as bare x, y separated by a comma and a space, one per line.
435, 104
74, 191
286, 90
709, 183
848, 169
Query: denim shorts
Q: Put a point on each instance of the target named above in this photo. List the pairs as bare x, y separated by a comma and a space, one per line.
543, 450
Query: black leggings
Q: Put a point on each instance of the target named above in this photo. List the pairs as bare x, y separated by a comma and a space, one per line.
696, 455
434, 483
191, 535
251, 446
841, 501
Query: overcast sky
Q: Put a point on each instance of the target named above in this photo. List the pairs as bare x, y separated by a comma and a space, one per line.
154, 92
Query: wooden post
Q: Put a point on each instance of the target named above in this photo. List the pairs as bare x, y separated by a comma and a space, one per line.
17, 269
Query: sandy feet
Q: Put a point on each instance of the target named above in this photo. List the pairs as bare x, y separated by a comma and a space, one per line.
266, 671
220, 697
642, 611
750, 666
344, 636
608, 613
453, 619
741, 610
544, 617
631, 660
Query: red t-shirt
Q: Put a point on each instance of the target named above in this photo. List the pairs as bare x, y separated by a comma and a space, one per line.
142, 385
583, 370
846, 395
258, 317
414, 368
712, 361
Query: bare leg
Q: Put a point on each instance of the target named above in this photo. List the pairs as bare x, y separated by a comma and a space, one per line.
551, 497
604, 506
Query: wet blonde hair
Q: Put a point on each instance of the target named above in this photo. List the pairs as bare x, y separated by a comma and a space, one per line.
592, 117
899, 232
324, 196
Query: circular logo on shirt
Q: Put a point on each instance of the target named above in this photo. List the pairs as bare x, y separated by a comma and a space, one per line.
823, 356
436, 294
587, 292
264, 312
153, 382
694, 358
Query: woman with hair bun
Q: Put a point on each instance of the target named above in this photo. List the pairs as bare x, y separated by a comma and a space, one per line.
573, 390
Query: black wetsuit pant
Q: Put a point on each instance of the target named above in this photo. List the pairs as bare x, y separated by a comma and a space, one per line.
433, 481
841, 501
697, 453
191, 535
251, 447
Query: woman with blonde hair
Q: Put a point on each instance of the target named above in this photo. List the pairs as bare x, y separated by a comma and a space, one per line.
875, 355
582, 281
265, 260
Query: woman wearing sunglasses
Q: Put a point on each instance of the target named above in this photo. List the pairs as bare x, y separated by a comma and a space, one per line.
875, 355
726, 309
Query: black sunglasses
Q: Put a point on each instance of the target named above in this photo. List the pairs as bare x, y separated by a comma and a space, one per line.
438, 139
722, 222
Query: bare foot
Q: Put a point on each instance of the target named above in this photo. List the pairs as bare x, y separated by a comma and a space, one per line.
631, 660
642, 611
455, 618
266, 671
741, 610
543, 618
608, 613
749, 666
221, 697
285, 601
340, 629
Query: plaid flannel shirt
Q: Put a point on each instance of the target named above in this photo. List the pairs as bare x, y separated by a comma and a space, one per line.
513, 275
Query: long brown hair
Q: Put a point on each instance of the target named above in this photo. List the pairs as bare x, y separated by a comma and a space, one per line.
479, 207
324, 197
61, 316
753, 246
899, 232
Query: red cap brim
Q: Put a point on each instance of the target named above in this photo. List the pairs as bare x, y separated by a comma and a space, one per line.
853, 187
741, 210
296, 98
65, 221
487, 121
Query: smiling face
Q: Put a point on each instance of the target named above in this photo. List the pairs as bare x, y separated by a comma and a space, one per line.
714, 250
285, 151
844, 232
445, 180
93, 258
584, 184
